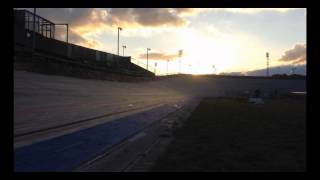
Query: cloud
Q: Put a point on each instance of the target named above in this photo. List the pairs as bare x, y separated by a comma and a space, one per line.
72, 16
159, 56
184, 10
85, 21
252, 10
82, 41
189, 11
146, 16
297, 55
90, 43
152, 17
120, 16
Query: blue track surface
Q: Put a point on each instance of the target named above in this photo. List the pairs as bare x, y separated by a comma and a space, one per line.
66, 152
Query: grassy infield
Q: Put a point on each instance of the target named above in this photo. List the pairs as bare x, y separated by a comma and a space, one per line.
233, 135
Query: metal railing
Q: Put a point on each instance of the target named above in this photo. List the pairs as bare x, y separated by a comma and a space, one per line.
42, 25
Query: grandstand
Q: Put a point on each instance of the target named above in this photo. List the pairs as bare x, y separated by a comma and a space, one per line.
44, 48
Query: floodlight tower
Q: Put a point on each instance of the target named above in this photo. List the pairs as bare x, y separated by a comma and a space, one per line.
213, 69
267, 55
180, 54
123, 47
119, 29
148, 49
167, 66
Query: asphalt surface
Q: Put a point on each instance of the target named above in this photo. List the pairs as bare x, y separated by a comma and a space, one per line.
44, 101
59, 122
66, 152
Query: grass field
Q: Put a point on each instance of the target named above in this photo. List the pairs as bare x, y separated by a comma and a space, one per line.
233, 135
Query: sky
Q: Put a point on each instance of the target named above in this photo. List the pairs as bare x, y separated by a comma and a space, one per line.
212, 40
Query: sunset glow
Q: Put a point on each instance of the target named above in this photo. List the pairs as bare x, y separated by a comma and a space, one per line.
212, 40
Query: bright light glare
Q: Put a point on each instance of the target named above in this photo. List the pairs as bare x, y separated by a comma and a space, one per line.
202, 53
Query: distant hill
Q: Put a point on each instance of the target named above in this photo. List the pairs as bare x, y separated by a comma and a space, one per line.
232, 74
284, 76
282, 72
300, 70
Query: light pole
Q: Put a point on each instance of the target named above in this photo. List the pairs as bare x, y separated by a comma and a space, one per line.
123, 50
180, 54
167, 66
119, 29
148, 49
34, 31
267, 55
213, 69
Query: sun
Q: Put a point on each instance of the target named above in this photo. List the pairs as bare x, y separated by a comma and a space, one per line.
206, 55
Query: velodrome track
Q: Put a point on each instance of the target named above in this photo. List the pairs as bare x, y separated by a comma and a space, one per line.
42, 102
61, 123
